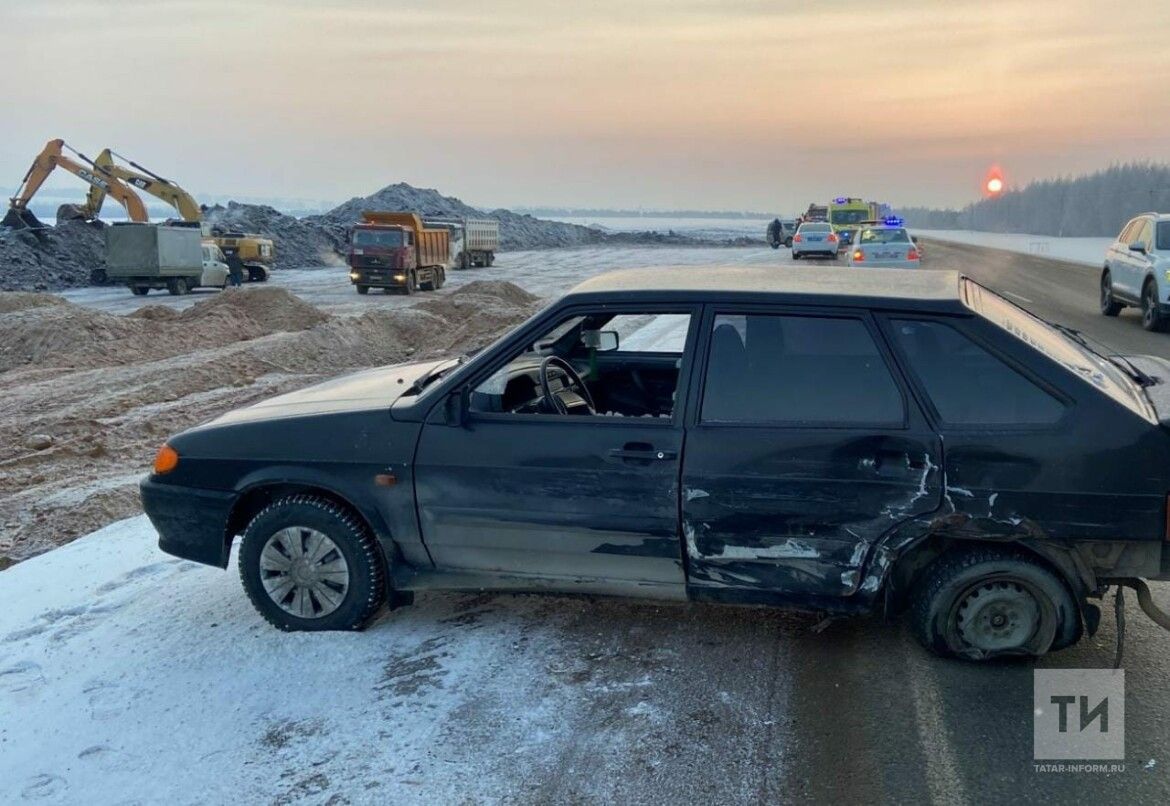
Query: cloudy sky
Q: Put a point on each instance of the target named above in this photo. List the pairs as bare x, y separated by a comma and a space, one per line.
661, 104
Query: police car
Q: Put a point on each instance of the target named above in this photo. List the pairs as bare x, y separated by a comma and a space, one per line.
885, 245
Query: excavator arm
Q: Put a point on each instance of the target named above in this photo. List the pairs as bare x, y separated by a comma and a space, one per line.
145, 180
51, 157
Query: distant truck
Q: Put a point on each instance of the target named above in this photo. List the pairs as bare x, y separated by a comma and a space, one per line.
146, 256
474, 241
817, 212
397, 252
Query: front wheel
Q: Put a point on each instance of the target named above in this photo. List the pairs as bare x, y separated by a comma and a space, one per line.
788, 242
362, 289
1152, 318
1109, 306
308, 563
987, 602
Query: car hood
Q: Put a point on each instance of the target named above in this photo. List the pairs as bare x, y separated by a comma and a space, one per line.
361, 391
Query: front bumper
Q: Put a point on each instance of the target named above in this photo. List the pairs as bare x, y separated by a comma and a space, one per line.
191, 522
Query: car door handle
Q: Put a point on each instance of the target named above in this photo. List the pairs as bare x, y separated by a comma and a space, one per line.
641, 454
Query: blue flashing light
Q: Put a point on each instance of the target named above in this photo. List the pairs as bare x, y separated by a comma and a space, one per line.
894, 221
840, 200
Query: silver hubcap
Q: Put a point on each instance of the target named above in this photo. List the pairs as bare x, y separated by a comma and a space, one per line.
998, 616
304, 572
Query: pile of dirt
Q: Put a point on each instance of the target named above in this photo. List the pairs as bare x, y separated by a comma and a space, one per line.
298, 242
70, 336
86, 397
50, 258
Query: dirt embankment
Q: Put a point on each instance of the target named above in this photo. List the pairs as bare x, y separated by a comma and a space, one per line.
86, 397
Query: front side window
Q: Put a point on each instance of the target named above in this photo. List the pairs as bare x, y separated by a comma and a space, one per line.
1163, 237
797, 370
618, 364
968, 385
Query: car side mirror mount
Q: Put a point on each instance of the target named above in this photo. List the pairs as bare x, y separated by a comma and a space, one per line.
458, 406
1138, 247
603, 341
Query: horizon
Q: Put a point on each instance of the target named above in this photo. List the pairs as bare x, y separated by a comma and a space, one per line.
592, 107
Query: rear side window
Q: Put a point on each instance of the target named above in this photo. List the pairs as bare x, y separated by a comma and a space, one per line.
1162, 239
968, 385
797, 370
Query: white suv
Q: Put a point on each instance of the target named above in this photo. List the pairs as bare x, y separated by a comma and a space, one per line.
1137, 271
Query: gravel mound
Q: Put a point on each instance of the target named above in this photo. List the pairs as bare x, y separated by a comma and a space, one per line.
50, 258
298, 242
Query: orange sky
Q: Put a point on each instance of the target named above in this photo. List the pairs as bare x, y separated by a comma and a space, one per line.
728, 105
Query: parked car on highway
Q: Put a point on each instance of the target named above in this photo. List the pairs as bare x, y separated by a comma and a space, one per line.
840, 442
883, 245
1137, 271
814, 238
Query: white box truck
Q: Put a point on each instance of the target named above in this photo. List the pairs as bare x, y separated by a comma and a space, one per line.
474, 241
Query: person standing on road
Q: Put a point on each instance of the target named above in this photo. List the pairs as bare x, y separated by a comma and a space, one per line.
775, 232
236, 270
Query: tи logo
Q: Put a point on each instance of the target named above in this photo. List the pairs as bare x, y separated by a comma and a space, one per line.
1080, 714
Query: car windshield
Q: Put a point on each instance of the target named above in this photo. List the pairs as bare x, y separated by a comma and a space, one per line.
849, 216
815, 228
373, 237
1088, 365
1162, 239
884, 235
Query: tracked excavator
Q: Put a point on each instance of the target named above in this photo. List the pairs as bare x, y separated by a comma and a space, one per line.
52, 157
252, 253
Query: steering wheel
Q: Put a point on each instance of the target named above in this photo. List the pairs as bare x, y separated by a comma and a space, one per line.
578, 390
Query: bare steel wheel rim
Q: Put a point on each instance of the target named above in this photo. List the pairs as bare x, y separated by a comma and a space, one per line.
304, 572
998, 616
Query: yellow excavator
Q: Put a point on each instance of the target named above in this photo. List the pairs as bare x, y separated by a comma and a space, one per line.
253, 254
51, 157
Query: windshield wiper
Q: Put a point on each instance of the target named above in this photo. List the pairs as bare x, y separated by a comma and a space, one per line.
1143, 380
426, 380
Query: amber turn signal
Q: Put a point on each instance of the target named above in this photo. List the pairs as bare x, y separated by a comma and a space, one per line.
166, 460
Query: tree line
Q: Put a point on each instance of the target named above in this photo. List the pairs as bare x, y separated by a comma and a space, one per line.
1096, 204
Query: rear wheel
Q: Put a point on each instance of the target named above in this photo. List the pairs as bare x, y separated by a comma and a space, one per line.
310, 564
1109, 306
440, 278
788, 242
1152, 319
491, 258
988, 602
177, 286
796, 255
257, 274
140, 290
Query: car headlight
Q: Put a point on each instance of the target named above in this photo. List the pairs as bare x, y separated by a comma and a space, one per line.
1168, 274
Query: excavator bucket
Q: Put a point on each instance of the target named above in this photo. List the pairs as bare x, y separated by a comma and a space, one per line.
72, 212
21, 218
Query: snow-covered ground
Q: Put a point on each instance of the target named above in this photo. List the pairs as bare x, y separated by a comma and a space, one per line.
1075, 250
127, 675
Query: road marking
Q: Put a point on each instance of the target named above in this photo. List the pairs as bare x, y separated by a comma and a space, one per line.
943, 780
1017, 296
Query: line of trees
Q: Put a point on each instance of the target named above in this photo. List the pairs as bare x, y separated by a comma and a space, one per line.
1097, 204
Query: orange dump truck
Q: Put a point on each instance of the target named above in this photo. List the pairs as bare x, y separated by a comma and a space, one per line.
396, 252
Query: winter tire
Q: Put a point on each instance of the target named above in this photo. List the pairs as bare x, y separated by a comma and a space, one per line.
987, 602
308, 563
1109, 306
1152, 319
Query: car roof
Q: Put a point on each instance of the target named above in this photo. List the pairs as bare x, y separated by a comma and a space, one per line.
896, 288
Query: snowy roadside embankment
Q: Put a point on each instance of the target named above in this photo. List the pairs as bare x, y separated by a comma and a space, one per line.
1090, 251
127, 675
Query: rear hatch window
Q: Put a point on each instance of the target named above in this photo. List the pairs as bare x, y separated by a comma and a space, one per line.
1090, 366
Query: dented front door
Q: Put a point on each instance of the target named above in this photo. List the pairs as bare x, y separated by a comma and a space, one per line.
805, 448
